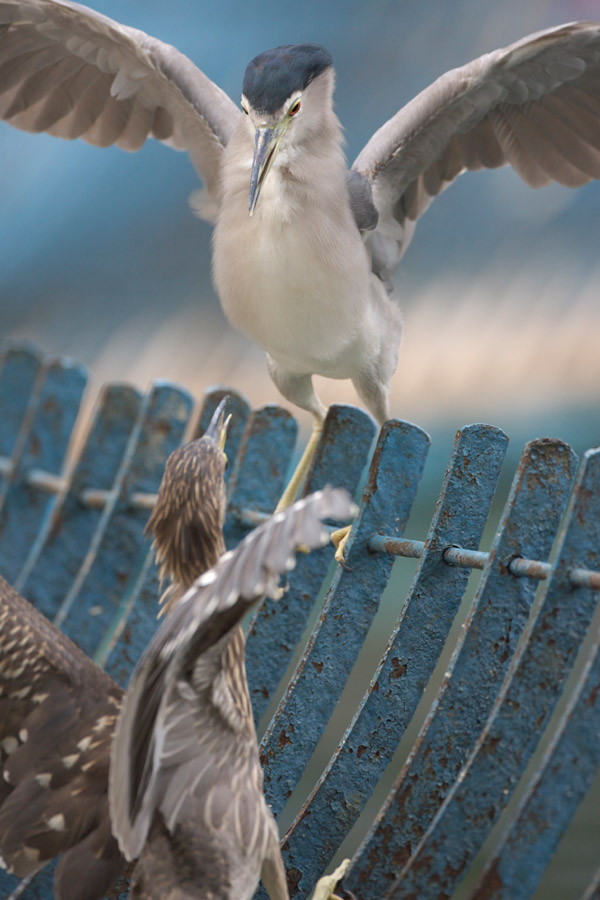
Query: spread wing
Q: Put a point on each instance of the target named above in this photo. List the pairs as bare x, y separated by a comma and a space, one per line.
534, 104
72, 72
182, 695
57, 714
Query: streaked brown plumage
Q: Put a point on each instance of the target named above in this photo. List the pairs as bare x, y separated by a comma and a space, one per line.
186, 786
58, 709
187, 521
57, 716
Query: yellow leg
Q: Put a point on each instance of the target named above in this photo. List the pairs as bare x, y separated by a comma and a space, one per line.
297, 479
325, 886
339, 539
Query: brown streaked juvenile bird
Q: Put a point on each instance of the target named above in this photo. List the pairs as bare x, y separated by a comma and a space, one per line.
187, 520
57, 716
186, 789
58, 709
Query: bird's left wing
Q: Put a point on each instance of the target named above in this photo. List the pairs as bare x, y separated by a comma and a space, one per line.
212, 607
73, 72
534, 104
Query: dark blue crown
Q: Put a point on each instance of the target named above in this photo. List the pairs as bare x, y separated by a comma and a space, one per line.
275, 74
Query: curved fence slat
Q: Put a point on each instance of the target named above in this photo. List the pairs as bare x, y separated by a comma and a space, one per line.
62, 543
341, 457
347, 612
44, 440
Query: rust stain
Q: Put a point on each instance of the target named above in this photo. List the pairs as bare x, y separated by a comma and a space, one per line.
294, 877
399, 668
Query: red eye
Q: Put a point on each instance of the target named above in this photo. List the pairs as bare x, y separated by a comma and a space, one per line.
294, 108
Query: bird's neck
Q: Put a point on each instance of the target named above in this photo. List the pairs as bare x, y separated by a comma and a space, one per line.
305, 169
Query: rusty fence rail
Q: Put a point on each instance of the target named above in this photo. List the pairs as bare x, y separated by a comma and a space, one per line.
71, 540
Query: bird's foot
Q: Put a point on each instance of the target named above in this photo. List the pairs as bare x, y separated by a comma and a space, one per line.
339, 540
325, 886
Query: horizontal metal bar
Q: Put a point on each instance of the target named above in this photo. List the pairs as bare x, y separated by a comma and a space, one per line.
98, 499
141, 500
476, 559
585, 578
465, 559
381, 543
250, 518
94, 498
45, 481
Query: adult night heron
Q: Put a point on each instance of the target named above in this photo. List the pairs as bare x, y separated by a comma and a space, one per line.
305, 250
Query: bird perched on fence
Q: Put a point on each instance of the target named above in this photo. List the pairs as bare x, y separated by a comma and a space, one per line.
304, 249
185, 779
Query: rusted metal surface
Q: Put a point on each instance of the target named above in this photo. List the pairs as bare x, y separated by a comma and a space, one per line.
475, 673
63, 541
20, 366
526, 701
260, 470
557, 788
279, 625
42, 445
408, 661
347, 612
119, 547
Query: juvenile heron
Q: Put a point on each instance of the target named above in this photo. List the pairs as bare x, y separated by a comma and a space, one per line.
186, 791
57, 716
58, 709
305, 250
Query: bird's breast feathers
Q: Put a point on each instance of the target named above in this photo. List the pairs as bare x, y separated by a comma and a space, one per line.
290, 281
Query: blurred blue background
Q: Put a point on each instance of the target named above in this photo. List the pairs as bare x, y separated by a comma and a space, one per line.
101, 258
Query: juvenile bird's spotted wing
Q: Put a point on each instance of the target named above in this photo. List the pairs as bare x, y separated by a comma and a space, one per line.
57, 714
73, 72
534, 104
173, 692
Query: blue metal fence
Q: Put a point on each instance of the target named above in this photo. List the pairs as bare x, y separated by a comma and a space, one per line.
73, 543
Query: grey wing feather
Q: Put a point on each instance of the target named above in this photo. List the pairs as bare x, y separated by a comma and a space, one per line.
534, 105
72, 72
361, 200
161, 700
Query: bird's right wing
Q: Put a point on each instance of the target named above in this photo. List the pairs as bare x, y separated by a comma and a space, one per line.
73, 72
534, 105
145, 757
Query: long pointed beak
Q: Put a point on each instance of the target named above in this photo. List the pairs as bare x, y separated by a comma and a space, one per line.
217, 430
265, 146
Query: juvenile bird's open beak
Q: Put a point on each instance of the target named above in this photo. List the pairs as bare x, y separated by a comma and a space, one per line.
266, 141
217, 430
